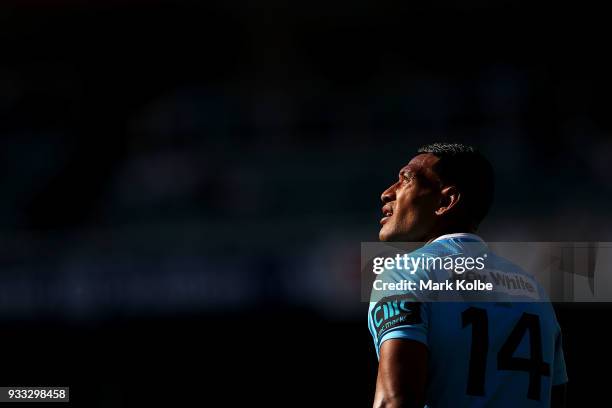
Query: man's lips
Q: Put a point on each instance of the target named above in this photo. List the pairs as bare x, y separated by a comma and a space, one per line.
387, 213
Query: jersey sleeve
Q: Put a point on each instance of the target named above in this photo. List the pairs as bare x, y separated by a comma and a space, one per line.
399, 314
398, 317
559, 372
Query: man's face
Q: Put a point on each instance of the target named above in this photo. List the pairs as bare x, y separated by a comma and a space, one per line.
410, 204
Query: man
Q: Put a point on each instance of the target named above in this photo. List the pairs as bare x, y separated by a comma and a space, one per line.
463, 353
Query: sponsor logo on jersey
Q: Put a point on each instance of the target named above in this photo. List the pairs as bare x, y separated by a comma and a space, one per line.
396, 311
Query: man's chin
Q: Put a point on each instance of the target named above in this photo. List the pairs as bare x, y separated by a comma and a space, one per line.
385, 236
393, 236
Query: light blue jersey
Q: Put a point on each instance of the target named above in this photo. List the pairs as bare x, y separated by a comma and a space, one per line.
505, 353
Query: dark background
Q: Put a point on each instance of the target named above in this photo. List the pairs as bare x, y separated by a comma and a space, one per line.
184, 187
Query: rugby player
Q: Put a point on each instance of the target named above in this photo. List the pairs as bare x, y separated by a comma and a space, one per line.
459, 354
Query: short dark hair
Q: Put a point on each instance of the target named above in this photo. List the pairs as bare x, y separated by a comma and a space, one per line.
466, 168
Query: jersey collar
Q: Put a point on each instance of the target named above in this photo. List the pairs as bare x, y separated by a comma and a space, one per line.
463, 236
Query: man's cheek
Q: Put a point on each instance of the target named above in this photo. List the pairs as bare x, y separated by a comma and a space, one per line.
404, 218
399, 225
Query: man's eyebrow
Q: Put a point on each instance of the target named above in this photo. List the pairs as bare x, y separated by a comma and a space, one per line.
407, 174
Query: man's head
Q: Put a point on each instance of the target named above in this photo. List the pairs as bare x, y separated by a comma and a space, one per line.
445, 188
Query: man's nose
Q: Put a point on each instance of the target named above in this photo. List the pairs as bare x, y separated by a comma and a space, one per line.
388, 195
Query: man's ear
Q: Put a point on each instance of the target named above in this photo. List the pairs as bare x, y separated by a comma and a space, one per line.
449, 197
